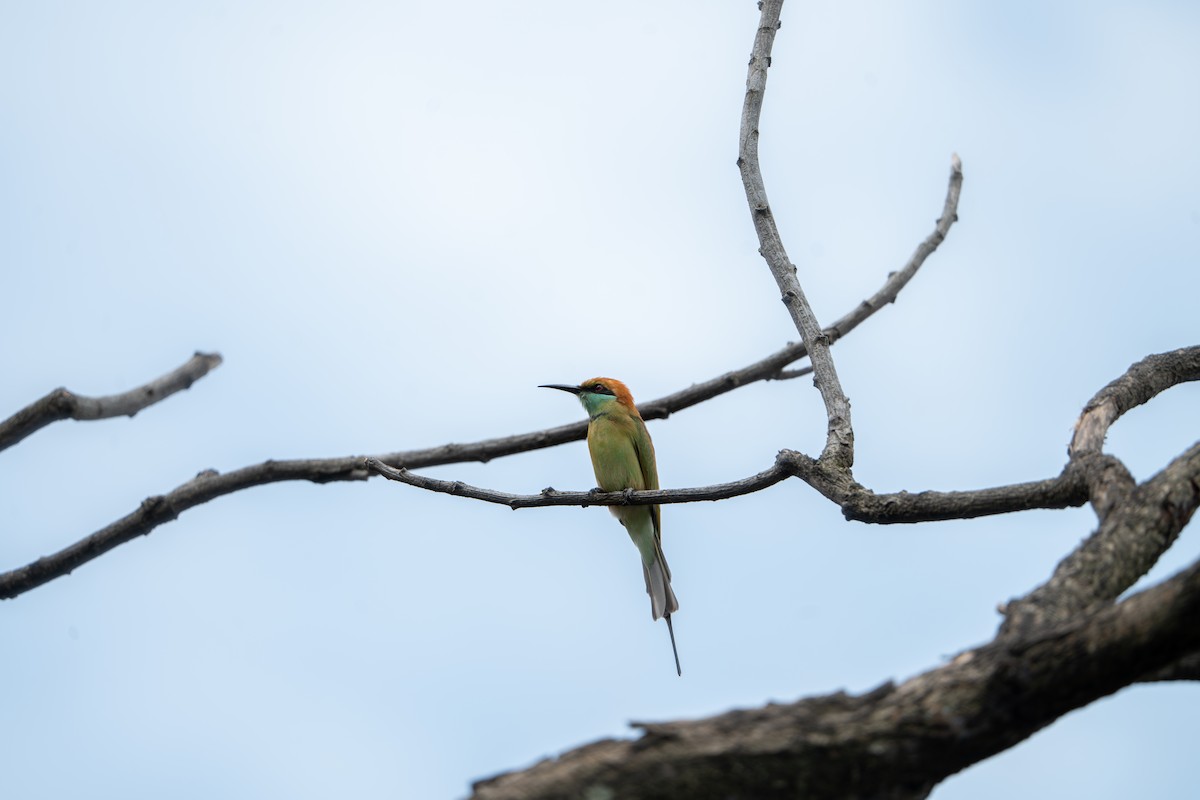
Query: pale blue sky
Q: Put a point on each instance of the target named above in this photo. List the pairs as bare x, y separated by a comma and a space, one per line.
395, 220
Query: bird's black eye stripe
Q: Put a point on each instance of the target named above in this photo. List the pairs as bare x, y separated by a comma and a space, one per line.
600, 388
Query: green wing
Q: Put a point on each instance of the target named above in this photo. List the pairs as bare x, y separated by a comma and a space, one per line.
645, 455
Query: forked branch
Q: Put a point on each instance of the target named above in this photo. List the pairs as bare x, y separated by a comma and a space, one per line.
839, 442
857, 503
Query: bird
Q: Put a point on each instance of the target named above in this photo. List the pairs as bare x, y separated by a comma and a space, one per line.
623, 459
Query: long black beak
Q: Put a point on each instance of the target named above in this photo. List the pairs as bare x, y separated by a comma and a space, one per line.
572, 389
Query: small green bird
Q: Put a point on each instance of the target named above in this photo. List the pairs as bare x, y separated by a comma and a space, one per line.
623, 458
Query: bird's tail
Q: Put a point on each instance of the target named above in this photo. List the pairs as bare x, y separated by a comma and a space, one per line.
658, 585
663, 602
662, 598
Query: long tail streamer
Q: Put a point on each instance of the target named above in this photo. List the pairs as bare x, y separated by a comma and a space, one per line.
678, 669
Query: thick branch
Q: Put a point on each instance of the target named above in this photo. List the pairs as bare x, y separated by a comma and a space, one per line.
839, 443
63, 404
1141, 382
1109, 482
862, 505
894, 742
1065, 491
1186, 668
1127, 544
1137, 523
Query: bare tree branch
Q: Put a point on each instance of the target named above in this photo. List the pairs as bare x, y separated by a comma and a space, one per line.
156, 510
1143, 380
1140, 383
857, 503
893, 742
1086, 474
553, 497
1065, 491
839, 443
1137, 523
63, 404
1109, 482
788, 374
898, 280
1129, 541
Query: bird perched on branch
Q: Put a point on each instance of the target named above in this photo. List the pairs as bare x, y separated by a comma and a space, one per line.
623, 458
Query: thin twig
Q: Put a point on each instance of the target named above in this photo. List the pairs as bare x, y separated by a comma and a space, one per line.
771, 367
898, 280
789, 374
553, 497
63, 404
839, 443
